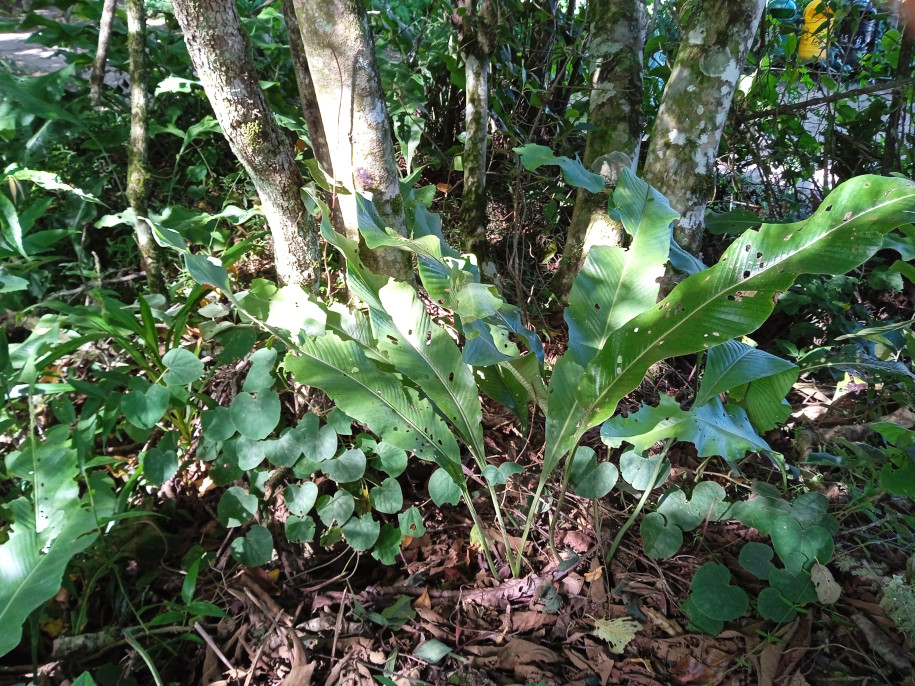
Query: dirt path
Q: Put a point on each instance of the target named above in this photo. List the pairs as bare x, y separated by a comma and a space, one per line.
28, 58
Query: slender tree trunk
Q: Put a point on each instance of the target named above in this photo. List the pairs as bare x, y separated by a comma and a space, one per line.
219, 51
307, 98
310, 109
341, 55
137, 151
475, 32
684, 142
97, 76
890, 162
616, 46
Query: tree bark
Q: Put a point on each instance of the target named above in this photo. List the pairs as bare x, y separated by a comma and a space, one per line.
341, 55
219, 51
684, 142
137, 151
475, 32
308, 101
616, 46
97, 77
890, 162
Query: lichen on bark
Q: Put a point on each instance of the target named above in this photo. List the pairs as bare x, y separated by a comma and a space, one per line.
684, 143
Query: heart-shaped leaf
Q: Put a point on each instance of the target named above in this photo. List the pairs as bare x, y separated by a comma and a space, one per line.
361, 532
348, 467
260, 376
756, 558
319, 443
387, 497
411, 523
699, 620
773, 607
145, 409
250, 453
300, 498
714, 596
442, 488
388, 544
338, 508
707, 501
299, 529
256, 417
590, 478
799, 548
184, 367
255, 549
795, 587
286, 450
809, 508
501, 474
660, 537
393, 459
159, 465
637, 470
236, 507
217, 424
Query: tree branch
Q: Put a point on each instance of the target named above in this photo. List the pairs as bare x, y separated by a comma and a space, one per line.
813, 102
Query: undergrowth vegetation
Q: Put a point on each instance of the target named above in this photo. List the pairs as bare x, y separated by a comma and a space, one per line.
154, 445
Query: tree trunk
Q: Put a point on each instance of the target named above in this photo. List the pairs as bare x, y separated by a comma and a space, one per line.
616, 46
891, 162
476, 36
310, 109
341, 55
684, 142
307, 98
219, 51
101, 54
137, 150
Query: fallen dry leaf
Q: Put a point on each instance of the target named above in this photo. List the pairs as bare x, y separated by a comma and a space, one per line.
828, 591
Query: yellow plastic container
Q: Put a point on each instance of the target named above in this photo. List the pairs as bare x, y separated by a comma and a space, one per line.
812, 45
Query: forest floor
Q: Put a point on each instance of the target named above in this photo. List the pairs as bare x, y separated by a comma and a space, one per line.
332, 616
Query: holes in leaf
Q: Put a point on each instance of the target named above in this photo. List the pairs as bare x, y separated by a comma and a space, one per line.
393, 340
409, 332
451, 377
758, 255
428, 337
828, 208
746, 274
596, 306
747, 248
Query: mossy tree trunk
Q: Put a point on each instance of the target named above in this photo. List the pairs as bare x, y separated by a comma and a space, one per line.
474, 21
341, 56
617, 41
684, 142
97, 76
137, 150
220, 53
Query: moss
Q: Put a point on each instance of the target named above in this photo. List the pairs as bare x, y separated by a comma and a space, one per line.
251, 133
